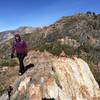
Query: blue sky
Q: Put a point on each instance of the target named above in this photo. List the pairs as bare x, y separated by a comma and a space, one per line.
36, 13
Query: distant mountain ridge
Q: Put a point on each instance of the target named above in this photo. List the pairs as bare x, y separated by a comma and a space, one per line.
7, 35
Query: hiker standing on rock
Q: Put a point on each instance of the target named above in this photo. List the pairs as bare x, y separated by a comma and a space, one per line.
19, 48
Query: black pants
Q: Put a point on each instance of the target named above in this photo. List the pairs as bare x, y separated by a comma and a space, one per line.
21, 57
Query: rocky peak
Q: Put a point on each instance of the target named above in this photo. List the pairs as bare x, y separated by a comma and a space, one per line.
55, 78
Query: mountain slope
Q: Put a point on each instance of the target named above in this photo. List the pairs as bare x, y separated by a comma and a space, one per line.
82, 28
77, 35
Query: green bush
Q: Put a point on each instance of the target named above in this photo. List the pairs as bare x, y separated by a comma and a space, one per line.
55, 48
1, 89
8, 62
69, 51
45, 46
52, 47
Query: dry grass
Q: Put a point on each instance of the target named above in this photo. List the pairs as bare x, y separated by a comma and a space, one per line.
7, 78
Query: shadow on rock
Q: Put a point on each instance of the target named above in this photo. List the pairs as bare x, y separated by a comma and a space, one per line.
28, 67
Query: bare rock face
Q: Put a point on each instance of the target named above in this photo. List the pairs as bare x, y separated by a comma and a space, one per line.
75, 79
35, 93
55, 78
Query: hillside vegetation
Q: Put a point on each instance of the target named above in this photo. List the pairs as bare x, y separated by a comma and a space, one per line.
75, 35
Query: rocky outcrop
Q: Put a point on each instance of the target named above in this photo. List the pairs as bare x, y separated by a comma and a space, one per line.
55, 78
68, 41
75, 79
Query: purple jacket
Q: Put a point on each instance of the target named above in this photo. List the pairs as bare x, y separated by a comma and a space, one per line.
19, 47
